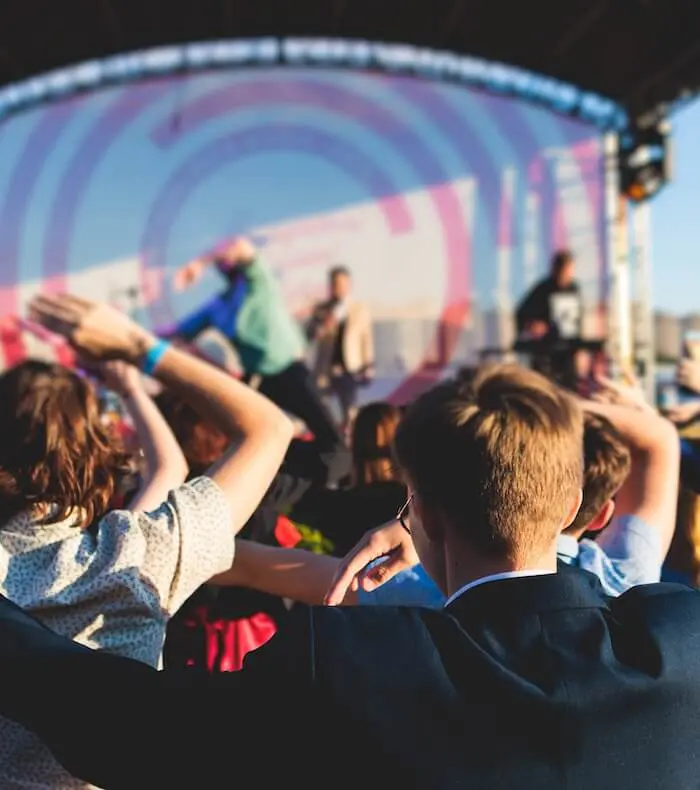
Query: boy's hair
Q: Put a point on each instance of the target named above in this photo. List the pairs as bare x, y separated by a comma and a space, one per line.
499, 454
606, 462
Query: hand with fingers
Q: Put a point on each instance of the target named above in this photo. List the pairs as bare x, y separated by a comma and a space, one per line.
96, 330
120, 377
622, 393
536, 330
391, 543
189, 274
239, 250
688, 374
685, 413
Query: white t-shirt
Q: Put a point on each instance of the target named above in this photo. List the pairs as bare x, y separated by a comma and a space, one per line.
565, 313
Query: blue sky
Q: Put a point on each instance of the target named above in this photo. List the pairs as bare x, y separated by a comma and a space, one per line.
676, 221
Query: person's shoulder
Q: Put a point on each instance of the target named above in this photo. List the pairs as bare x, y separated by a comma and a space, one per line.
411, 587
256, 268
369, 627
359, 309
545, 285
668, 593
664, 610
538, 292
631, 522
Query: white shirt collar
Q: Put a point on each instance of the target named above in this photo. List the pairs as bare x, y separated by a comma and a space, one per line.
496, 577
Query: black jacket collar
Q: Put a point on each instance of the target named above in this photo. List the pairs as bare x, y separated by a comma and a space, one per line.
569, 588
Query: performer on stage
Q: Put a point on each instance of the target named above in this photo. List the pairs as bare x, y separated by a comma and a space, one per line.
550, 317
553, 308
342, 331
251, 313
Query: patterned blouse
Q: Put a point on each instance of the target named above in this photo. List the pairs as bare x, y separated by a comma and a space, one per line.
113, 588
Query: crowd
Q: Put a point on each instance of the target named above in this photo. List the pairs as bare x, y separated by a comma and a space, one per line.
482, 568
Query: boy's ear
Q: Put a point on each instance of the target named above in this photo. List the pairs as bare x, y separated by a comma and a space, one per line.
602, 518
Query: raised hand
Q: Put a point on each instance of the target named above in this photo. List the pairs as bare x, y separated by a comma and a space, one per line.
120, 377
688, 374
189, 274
684, 413
537, 329
391, 543
96, 330
622, 393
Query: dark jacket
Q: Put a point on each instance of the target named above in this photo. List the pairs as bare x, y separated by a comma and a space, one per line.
536, 682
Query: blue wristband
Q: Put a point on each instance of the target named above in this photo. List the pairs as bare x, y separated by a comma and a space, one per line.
153, 357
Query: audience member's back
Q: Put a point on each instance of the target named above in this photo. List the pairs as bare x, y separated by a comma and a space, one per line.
530, 678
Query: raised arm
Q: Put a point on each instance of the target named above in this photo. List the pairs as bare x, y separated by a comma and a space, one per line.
651, 490
190, 326
260, 431
238, 252
165, 464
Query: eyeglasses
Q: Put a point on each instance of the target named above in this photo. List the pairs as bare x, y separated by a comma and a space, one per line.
402, 515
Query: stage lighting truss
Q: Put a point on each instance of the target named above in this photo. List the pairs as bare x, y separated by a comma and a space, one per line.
408, 60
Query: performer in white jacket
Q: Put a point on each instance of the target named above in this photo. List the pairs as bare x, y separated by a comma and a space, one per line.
341, 330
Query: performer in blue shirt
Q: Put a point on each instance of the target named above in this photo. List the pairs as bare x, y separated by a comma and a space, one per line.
250, 312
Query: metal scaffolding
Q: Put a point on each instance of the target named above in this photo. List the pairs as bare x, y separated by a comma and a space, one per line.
619, 331
630, 334
642, 307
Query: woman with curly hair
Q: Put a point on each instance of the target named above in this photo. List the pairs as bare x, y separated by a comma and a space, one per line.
111, 579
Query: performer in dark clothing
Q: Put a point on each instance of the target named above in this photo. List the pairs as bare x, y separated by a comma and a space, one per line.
553, 307
549, 319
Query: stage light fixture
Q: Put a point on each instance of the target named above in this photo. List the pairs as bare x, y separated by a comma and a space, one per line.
644, 161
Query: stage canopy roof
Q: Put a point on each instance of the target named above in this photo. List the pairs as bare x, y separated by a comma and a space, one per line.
645, 54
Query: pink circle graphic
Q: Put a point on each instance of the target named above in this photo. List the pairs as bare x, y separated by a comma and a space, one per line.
335, 99
316, 115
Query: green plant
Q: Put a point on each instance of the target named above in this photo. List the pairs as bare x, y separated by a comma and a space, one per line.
314, 541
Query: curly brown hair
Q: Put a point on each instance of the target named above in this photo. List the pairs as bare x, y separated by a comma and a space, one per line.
55, 453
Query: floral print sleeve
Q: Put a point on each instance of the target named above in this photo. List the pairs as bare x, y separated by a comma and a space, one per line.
186, 541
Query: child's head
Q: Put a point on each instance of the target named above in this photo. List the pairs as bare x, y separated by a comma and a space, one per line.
606, 466
202, 442
493, 462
